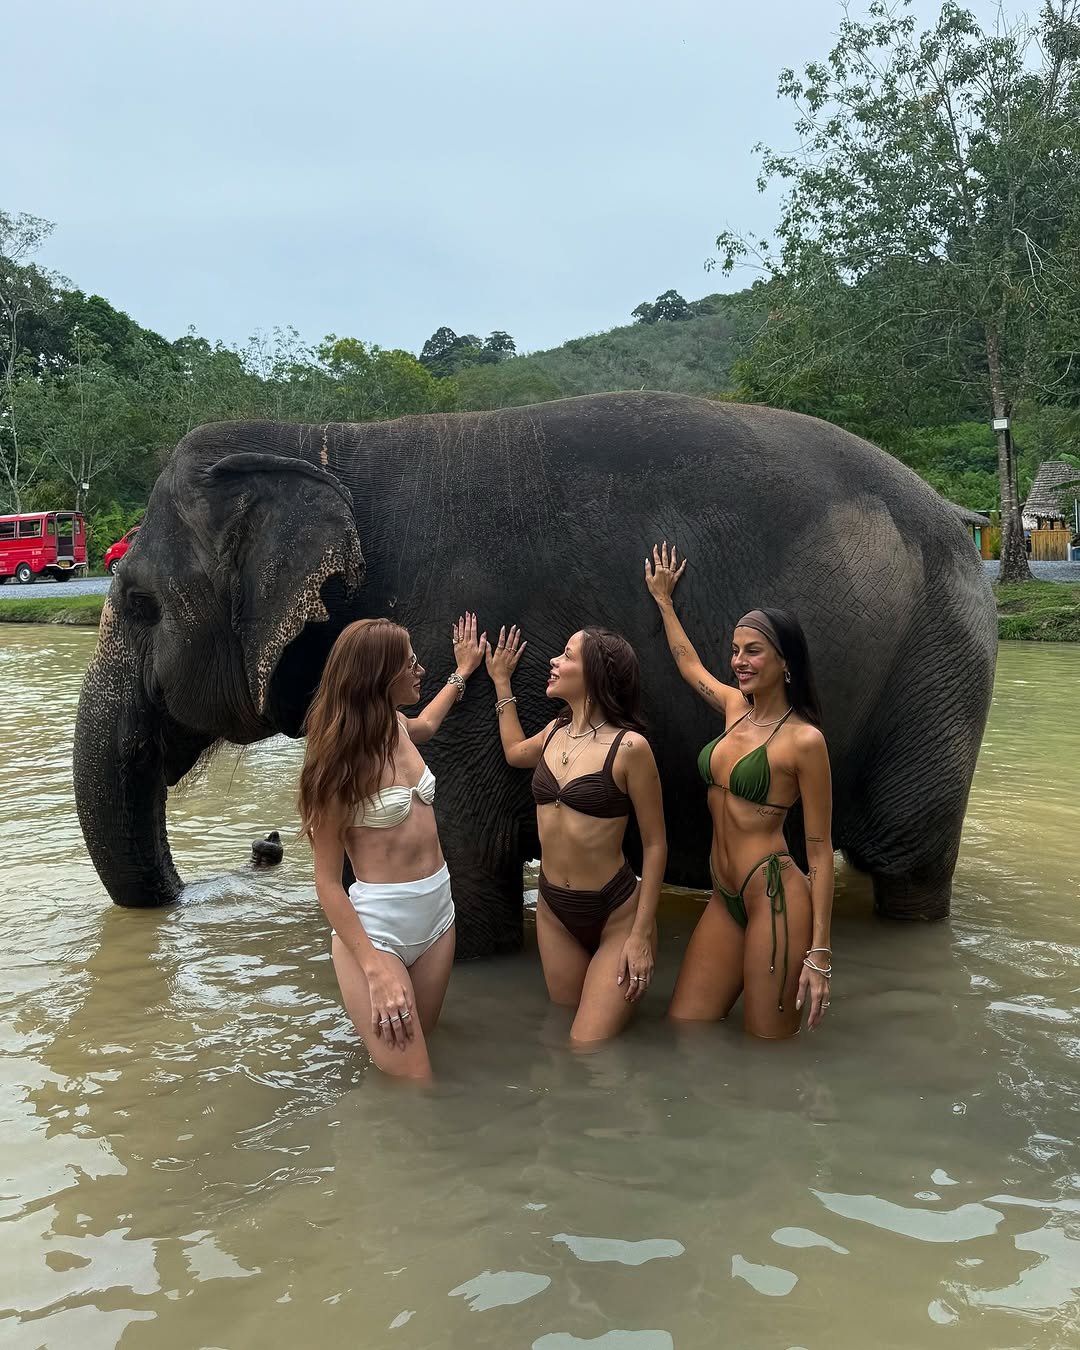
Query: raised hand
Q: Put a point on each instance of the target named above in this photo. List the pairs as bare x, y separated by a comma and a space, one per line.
662, 573
502, 661
469, 649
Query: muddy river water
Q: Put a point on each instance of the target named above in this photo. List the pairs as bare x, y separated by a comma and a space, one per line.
195, 1153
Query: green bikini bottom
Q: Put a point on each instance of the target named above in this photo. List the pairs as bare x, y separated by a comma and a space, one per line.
774, 889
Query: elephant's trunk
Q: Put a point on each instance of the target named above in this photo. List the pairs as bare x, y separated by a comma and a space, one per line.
125, 756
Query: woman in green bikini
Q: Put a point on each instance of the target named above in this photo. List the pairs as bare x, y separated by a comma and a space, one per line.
765, 931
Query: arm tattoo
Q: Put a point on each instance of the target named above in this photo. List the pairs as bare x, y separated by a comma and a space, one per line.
678, 651
709, 692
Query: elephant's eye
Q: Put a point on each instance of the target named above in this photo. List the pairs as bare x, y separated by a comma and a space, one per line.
143, 608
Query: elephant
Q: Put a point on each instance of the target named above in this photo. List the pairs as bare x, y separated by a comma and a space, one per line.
262, 540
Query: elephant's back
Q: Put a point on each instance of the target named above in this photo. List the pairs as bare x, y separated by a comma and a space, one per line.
744, 456
740, 452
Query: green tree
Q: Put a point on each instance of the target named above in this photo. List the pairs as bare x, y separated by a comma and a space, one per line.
438, 347
498, 346
445, 353
929, 238
26, 293
669, 307
80, 423
369, 382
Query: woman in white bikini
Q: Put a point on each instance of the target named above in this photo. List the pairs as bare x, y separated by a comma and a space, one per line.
366, 791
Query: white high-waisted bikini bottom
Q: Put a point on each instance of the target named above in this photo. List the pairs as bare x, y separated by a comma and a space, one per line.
404, 917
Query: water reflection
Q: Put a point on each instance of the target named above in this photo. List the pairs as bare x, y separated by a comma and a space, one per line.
196, 1154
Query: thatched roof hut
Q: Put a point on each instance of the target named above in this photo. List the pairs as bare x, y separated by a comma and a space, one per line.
1055, 485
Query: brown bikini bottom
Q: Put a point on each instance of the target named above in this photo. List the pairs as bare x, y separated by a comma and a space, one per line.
584, 913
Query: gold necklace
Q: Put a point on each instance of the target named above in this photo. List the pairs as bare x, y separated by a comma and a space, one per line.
567, 761
750, 719
589, 731
577, 736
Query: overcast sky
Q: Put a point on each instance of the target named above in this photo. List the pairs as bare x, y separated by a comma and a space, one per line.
379, 170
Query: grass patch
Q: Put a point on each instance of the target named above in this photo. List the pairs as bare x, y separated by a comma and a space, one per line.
1039, 611
83, 610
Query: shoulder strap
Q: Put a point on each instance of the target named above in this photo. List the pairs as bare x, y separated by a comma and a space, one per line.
780, 724
733, 725
551, 733
611, 753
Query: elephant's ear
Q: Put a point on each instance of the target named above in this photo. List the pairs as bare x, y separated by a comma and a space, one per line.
285, 527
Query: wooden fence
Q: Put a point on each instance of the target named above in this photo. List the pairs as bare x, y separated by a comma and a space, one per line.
987, 540
1050, 545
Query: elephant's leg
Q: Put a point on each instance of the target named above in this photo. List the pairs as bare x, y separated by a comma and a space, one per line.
903, 824
906, 838
922, 893
906, 804
486, 879
488, 898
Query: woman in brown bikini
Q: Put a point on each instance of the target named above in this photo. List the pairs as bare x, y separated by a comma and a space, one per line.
595, 923
765, 931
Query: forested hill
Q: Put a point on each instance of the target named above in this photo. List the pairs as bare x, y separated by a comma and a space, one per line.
692, 355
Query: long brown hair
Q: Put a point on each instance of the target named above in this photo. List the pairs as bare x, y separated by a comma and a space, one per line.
612, 679
352, 723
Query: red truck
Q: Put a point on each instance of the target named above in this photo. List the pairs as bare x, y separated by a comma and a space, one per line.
53, 542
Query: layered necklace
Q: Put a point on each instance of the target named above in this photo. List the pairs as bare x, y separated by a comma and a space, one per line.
564, 755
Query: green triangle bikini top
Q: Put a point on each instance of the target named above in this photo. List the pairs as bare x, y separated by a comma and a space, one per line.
750, 777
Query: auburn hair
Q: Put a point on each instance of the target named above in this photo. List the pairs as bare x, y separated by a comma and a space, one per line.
352, 724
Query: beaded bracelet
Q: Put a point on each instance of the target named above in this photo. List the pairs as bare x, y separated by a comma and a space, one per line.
455, 678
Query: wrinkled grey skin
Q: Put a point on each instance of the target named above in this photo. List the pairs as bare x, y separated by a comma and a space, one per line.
261, 541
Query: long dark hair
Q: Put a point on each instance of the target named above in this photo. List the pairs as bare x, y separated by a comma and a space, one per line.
352, 723
802, 691
612, 680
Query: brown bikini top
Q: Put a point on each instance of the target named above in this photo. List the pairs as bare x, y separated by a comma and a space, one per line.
591, 794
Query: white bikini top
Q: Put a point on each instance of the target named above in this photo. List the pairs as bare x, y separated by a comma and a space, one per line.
392, 805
